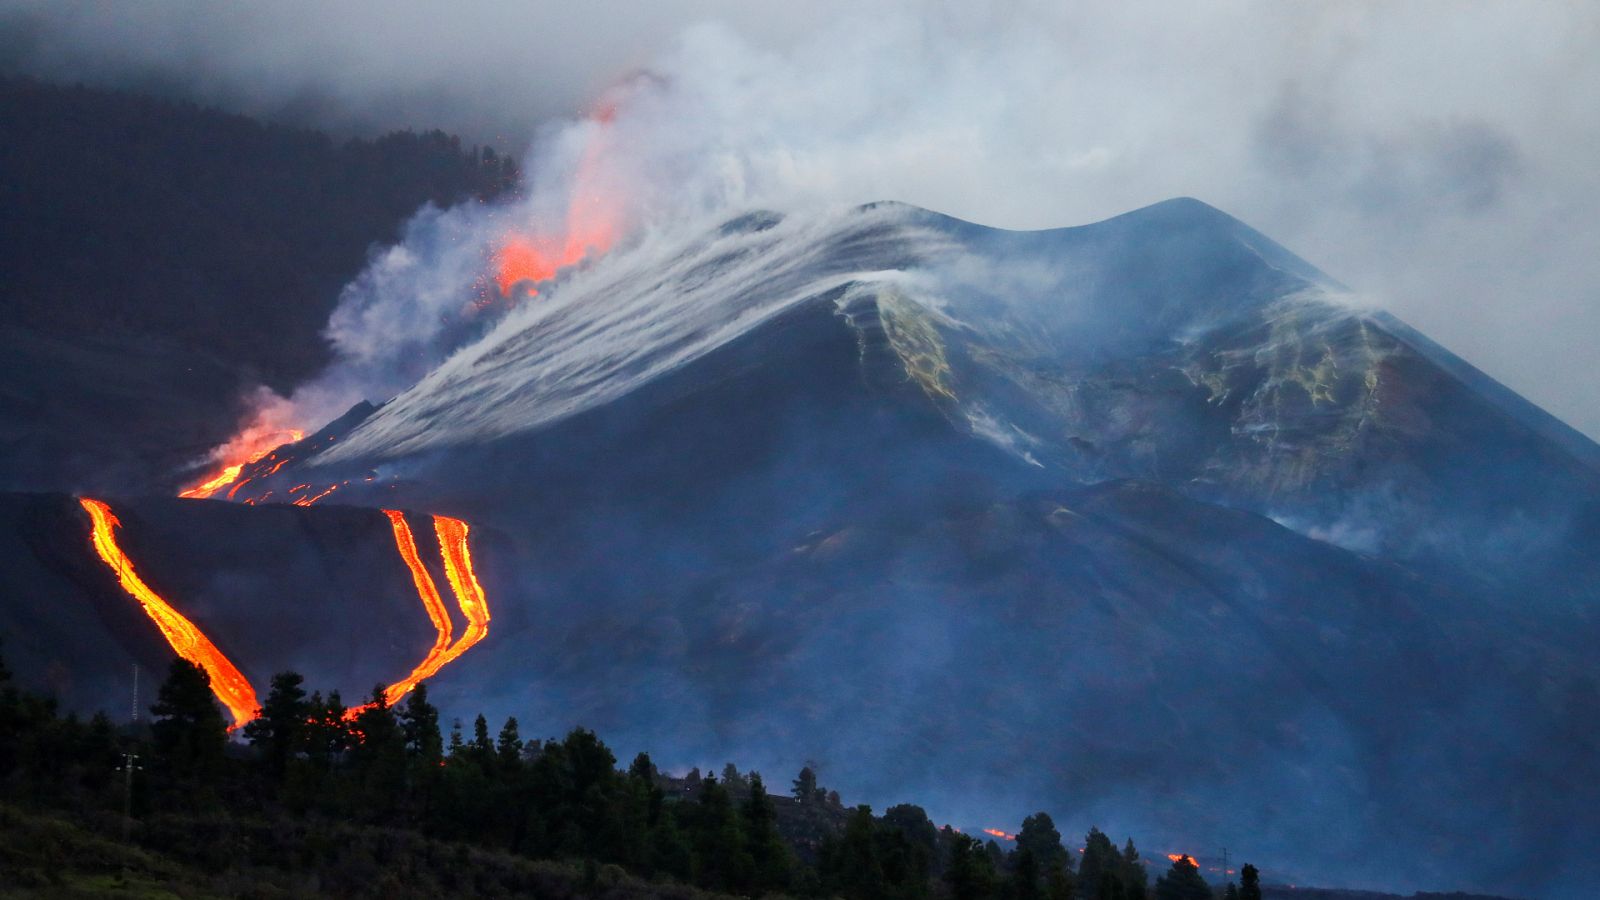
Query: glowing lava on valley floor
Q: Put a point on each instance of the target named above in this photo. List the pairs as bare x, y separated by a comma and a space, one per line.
230, 686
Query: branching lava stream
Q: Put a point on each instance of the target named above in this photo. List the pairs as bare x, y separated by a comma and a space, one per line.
464, 584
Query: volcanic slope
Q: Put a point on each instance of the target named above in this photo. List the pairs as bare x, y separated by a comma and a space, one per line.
1144, 520
1140, 522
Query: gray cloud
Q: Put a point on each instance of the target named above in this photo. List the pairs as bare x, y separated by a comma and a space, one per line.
1435, 157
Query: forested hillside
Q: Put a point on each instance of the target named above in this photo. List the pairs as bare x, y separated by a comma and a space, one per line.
375, 801
159, 258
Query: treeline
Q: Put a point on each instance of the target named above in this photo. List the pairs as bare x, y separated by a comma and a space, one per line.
129, 213
311, 759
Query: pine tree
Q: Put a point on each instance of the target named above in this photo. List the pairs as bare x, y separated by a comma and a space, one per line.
419, 723
768, 852
970, 874
508, 747
482, 749
1249, 883
850, 864
1183, 882
378, 757
1039, 835
721, 862
670, 853
914, 854
190, 733
1135, 880
279, 729
1025, 875
1101, 865
805, 786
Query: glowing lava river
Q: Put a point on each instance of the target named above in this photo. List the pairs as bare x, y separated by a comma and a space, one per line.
231, 686
452, 534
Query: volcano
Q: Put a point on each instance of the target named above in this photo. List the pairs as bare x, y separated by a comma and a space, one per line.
1147, 521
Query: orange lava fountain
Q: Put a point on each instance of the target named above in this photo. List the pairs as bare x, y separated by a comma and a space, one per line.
230, 686
594, 218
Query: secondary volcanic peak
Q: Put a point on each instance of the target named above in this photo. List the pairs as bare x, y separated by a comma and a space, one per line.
230, 686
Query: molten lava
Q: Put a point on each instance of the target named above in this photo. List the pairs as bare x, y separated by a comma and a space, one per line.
452, 534
1002, 835
464, 584
207, 488
594, 219
431, 601
308, 499
230, 686
248, 447
520, 258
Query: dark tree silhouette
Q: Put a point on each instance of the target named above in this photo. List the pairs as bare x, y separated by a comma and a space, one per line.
970, 873
805, 786
190, 733
769, 855
280, 730
1183, 882
1249, 883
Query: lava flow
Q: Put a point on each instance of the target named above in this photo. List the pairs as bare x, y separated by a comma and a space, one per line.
464, 584
452, 535
254, 445
230, 686
1002, 835
439, 655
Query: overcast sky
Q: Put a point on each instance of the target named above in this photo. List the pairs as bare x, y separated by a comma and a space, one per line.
1440, 158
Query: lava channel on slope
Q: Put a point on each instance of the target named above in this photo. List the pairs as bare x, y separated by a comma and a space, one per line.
230, 685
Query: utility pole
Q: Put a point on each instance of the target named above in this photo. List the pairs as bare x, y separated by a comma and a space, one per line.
135, 693
130, 764
1227, 870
